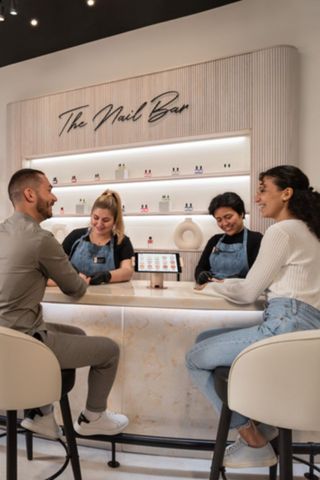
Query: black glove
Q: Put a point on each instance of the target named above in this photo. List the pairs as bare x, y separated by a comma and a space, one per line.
203, 278
100, 277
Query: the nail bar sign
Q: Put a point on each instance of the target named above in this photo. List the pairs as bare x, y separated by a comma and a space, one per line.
159, 107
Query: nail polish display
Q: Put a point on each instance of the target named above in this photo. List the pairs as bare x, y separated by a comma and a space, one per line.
150, 242
188, 207
121, 173
164, 204
80, 207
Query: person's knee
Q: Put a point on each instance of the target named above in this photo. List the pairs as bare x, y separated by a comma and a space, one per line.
109, 348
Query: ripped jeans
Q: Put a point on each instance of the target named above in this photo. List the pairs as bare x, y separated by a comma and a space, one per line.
214, 348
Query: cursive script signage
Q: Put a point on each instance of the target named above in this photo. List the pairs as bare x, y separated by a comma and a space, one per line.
159, 107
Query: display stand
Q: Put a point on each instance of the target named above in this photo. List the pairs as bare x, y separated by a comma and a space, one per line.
156, 281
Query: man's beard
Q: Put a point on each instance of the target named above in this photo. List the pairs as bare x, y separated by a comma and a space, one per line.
43, 208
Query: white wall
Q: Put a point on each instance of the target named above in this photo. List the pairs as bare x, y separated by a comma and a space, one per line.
240, 27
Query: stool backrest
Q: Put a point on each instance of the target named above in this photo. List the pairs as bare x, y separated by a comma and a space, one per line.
30, 375
277, 381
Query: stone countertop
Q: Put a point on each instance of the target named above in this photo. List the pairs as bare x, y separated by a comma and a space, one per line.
179, 295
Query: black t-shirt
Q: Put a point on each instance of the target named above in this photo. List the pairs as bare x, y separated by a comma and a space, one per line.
122, 251
253, 245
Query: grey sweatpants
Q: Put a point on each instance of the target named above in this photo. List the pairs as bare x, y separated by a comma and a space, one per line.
74, 349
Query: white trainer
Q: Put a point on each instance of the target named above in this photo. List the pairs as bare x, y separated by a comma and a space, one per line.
108, 423
240, 455
45, 425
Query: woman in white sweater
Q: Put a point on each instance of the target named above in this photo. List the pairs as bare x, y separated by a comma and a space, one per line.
287, 270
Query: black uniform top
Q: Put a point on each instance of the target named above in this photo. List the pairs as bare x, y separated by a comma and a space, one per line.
253, 245
122, 251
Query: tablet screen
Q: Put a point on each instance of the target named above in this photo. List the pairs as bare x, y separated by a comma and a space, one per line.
157, 262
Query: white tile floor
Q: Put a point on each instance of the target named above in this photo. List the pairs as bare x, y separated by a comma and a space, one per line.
48, 457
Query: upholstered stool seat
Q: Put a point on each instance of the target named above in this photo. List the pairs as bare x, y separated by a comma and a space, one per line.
30, 376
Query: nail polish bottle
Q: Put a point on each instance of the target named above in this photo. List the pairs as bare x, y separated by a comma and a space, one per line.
73, 179
54, 180
150, 242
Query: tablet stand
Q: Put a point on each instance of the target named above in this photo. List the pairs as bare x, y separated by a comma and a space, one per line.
156, 280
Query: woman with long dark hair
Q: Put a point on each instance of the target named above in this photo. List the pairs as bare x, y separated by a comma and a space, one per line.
287, 270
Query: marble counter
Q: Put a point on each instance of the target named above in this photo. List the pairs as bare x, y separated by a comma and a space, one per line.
138, 294
155, 329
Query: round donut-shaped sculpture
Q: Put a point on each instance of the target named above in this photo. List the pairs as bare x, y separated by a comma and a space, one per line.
187, 242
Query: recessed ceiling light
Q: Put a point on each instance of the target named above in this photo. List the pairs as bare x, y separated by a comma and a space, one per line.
13, 8
2, 17
34, 22
91, 3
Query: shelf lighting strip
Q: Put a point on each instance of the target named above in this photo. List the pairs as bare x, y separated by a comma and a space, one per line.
146, 149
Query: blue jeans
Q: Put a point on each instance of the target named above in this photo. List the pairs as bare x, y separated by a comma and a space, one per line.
214, 348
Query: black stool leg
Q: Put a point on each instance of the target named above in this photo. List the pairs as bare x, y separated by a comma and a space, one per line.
285, 453
12, 463
29, 441
273, 472
29, 444
220, 446
273, 469
70, 436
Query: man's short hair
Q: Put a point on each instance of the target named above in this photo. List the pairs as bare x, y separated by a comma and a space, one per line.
26, 177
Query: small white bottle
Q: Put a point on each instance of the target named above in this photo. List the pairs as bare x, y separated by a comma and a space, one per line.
164, 203
125, 171
79, 208
118, 172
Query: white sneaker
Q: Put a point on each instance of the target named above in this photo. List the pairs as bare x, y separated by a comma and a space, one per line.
45, 425
240, 455
108, 423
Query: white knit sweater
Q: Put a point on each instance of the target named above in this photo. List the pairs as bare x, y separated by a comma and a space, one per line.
288, 265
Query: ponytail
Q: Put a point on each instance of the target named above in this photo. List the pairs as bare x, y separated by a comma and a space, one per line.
111, 200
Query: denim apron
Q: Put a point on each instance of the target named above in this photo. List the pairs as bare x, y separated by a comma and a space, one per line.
89, 258
227, 261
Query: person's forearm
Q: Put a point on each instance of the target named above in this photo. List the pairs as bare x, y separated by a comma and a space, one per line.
122, 274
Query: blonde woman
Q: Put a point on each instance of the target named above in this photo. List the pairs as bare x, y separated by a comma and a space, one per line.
102, 252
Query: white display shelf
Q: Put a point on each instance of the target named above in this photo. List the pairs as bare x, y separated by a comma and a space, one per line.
137, 214
225, 164
106, 182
